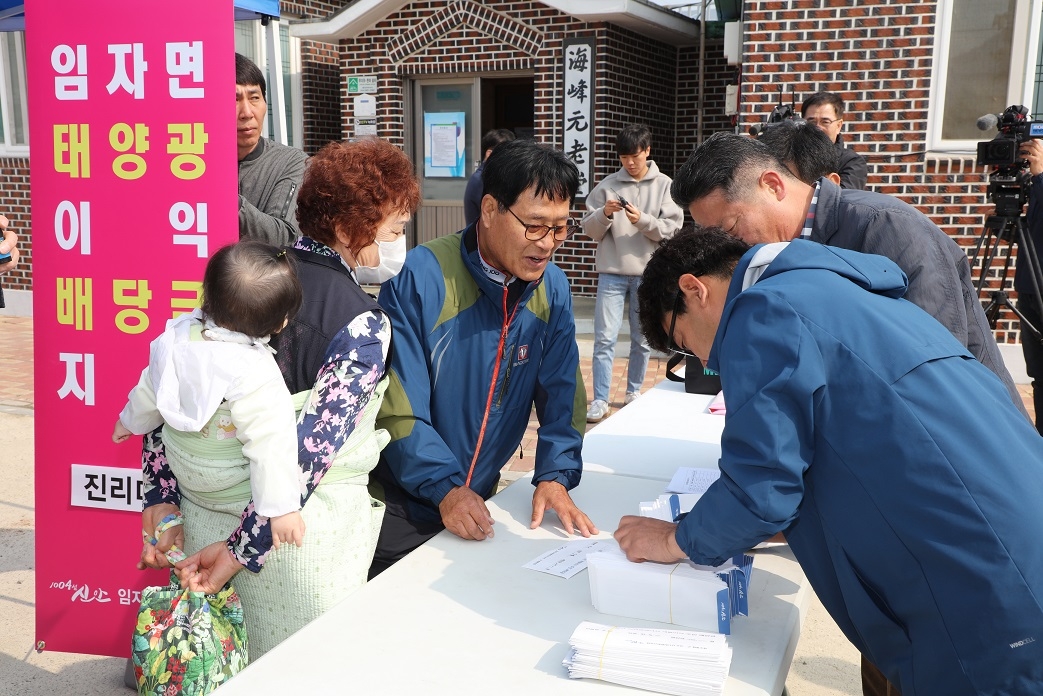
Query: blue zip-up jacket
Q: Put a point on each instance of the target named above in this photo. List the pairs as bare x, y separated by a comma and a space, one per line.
448, 318
907, 483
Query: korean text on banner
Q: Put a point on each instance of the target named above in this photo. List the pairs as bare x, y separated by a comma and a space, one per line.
133, 187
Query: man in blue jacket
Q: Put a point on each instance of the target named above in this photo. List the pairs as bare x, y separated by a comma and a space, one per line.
905, 480
484, 330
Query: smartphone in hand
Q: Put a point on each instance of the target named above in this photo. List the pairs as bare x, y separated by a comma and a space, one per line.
622, 201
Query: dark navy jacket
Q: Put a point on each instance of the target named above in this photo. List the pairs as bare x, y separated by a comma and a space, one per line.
906, 482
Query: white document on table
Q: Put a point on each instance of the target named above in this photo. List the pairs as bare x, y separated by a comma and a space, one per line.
691, 480
568, 559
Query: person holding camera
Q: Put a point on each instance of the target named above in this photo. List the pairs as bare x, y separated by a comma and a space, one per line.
1028, 300
825, 111
628, 214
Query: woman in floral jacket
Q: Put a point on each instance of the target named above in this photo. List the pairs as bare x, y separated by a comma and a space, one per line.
333, 358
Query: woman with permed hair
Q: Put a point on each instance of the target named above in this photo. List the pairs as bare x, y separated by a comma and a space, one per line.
333, 356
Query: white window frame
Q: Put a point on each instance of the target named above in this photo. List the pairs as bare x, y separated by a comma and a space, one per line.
7, 148
1020, 77
296, 96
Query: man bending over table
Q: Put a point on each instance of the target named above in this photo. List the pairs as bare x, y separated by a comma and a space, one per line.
905, 480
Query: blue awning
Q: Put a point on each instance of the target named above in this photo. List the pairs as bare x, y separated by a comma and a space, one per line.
255, 9
12, 12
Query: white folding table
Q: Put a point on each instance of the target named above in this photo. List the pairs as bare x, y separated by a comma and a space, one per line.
463, 617
663, 429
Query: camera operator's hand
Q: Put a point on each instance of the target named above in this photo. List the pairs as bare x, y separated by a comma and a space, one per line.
1032, 151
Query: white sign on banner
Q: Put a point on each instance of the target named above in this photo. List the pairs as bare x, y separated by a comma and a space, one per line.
106, 487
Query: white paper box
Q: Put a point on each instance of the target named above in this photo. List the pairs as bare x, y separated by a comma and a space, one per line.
671, 593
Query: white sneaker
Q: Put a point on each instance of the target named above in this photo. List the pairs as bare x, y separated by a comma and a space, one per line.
597, 411
630, 397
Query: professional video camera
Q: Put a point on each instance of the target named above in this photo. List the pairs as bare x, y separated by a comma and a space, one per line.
1015, 128
1008, 191
782, 112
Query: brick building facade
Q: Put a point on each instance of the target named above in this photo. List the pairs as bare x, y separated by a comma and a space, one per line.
637, 78
880, 55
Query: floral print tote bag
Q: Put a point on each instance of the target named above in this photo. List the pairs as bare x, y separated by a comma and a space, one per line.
187, 642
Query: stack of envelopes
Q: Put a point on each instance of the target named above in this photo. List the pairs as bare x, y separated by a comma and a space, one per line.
658, 659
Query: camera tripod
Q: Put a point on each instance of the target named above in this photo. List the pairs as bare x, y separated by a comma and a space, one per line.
1010, 229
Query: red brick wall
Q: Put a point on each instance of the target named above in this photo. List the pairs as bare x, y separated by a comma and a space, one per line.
320, 77
636, 80
717, 76
877, 54
14, 203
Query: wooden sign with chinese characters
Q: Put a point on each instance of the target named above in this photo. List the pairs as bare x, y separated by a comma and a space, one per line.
133, 187
578, 112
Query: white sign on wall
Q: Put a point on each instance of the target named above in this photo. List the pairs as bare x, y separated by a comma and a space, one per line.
577, 116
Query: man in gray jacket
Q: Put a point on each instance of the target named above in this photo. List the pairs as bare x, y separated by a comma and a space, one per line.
269, 173
736, 183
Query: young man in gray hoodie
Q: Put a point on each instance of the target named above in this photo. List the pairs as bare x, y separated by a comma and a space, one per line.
629, 213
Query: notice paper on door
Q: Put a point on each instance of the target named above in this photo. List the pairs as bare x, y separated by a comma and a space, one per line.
568, 559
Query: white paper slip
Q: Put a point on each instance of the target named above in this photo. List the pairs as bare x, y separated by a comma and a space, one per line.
567, 560
690, 480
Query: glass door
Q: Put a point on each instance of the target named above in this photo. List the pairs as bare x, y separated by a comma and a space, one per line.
445, 150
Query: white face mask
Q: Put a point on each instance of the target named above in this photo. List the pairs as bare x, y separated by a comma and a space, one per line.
392, 256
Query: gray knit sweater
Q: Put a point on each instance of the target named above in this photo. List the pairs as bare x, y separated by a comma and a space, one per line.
269, 178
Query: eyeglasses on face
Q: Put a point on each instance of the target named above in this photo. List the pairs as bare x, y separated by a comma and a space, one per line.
821, 121
673, 322
535, 233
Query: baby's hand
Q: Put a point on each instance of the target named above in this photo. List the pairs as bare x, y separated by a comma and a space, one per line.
120, 433
287, 529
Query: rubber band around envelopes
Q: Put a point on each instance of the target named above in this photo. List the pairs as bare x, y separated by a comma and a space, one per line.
601, 659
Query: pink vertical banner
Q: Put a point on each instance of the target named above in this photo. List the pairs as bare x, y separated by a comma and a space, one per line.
134, 185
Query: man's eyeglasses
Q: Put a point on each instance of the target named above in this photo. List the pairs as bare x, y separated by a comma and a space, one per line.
535, 233
673, 322
821, 121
